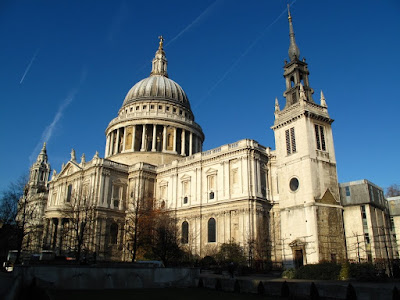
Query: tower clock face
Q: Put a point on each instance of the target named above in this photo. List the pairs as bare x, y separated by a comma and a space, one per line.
294, 184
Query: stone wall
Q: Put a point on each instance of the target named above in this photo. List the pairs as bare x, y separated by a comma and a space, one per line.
115, 277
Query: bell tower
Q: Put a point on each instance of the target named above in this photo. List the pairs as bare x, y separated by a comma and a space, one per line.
40, 172
311, 214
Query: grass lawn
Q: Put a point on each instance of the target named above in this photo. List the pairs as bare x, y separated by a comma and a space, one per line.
149, 294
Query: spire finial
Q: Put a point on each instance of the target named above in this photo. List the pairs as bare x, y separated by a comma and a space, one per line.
277, 105
73, 156
83, 159
302, 93
160, 46
277, 109
42, 157
323, 101
288, 10
294, 52
160, 61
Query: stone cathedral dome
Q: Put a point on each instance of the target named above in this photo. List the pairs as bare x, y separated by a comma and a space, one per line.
155, 123
157, 87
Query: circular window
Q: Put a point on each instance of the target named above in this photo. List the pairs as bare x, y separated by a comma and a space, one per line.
294, 184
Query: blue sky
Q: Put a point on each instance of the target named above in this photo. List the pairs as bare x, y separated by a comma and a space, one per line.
66, 67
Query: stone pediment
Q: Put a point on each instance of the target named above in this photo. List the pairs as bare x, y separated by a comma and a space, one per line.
327, 198
185, 177
211, 171
69, 169
163, 183
297, 243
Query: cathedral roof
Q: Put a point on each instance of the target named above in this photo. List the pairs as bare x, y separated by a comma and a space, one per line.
157, 86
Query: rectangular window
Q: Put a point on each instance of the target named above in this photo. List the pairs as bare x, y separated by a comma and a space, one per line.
367, 238
163, 192
371, 194
69, 193
320, 137
363, 213
288, 151
292, 137
290, 141
211, 182
347, 191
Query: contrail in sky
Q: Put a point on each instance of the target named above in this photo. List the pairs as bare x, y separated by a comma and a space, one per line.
235, 63
48, 132
29, 66
197, 20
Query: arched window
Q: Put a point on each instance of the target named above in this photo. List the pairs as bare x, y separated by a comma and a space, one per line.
211, 230
185, 233
113, 233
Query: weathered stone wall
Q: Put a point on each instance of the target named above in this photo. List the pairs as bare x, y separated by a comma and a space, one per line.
119, 277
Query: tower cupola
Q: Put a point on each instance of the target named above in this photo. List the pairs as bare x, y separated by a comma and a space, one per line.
296, 72
40, 170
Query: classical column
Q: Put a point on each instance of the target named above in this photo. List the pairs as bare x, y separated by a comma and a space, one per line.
133, 137
110, 149
107, 145
183, 142
116, 142
153, 145
164, 141
124, 138
174, 145
101, 196
258, 174
190, 143
143, 138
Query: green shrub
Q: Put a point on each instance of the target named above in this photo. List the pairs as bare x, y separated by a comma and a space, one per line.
324, 271
231, 252
289, 273
207, 261
363, 271
345, 271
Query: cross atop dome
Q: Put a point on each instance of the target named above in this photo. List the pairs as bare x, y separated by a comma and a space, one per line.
159, 66
160, 47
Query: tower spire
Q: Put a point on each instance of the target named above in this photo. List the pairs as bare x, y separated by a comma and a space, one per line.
159, 66
294, 51
42, 157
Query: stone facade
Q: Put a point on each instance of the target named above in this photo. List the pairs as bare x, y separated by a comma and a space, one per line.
285, 199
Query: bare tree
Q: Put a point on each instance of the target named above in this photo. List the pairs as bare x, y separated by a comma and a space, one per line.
165, 242
18, 213
139, 225
393, 190
77, 227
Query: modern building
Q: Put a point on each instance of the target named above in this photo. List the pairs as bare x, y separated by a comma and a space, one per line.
366, 222
394, 211
287, 198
